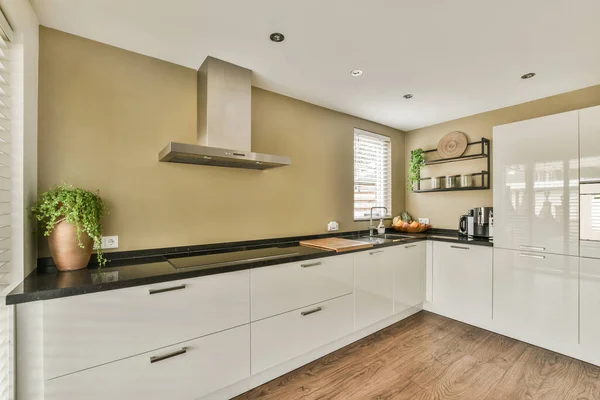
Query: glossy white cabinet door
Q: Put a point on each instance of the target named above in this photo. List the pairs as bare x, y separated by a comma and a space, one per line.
536, 184
84, 331
590, 308
589, 144
209, 363
409, 276
282, 337
280, 288
536, 297
462, 282
373, 286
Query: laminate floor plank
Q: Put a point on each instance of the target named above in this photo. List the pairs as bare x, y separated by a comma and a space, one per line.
430, 357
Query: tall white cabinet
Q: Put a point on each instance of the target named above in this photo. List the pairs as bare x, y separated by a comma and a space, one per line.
536, 297
589, 144
536, 185
536, 230
590, 309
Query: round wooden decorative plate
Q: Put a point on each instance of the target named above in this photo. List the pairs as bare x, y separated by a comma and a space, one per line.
453, 144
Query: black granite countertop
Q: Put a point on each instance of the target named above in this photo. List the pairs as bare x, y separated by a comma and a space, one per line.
143, 267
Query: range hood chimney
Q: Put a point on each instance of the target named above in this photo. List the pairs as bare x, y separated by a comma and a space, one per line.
224, 122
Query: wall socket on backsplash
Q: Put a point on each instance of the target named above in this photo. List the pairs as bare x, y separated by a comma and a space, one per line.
110, 242
424, 220
333, 226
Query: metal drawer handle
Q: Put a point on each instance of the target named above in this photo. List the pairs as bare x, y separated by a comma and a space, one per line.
375, 252
532, 256
305, 313
408, 247
461, 247
532, 247
154, 359
311, 264
169, 289
596, 197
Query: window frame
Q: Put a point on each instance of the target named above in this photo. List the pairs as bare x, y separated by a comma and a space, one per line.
389, 167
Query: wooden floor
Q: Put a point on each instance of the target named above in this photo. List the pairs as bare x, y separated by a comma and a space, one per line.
427, 356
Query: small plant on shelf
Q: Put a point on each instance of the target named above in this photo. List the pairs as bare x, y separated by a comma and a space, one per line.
71, 219
417, 161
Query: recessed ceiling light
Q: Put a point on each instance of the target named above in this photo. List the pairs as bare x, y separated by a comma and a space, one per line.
408, 96
356, 72
528, 75
277, 37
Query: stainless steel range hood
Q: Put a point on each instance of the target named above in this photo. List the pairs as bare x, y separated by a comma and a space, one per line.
224, 122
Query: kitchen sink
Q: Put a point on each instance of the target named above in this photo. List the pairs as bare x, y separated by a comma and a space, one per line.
384, 238
392, 236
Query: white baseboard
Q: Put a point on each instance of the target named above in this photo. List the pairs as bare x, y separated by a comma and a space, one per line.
282, 369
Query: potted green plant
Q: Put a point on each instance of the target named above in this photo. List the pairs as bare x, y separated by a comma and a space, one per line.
417, 161
71, 219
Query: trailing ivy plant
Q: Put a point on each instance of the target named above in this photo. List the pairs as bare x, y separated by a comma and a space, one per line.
80, 207
417, 161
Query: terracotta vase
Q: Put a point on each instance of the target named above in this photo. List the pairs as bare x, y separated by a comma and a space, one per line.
65, 250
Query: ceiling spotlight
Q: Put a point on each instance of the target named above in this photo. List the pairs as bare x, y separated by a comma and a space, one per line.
528, 75
408, 96
277, 37
356, 72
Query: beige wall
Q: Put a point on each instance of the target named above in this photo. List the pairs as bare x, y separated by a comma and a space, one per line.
104, 113
445, 208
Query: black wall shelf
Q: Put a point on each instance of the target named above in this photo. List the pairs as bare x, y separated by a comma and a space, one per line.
484, 153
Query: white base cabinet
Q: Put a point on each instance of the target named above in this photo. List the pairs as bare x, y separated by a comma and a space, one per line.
283, 337
280, 288
208, 364
373, 286
462, 282
88, 330
203, 336
590, 309
409, 276
536, 298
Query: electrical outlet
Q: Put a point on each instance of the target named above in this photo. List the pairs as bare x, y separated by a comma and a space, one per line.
424, 220
333, 226
110, 242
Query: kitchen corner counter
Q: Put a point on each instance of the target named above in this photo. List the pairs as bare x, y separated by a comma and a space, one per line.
144, 267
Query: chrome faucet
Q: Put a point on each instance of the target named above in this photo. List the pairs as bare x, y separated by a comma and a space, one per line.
371, 226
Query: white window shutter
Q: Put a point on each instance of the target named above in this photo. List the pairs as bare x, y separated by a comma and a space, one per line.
6, 335
372, 174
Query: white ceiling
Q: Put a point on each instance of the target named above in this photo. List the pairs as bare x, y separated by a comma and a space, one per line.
458, 57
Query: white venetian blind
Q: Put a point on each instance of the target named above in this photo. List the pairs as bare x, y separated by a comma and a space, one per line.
372, 174
5, 210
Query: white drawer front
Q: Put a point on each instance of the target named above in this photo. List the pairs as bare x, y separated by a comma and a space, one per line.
84, 331
281, 288
283, 337
208, 364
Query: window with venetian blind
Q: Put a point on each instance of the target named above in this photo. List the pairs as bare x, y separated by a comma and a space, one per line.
6, 196
372, 174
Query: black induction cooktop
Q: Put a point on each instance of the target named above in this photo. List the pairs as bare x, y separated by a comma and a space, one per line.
234, 257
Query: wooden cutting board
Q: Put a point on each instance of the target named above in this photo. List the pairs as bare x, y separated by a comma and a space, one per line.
336, 244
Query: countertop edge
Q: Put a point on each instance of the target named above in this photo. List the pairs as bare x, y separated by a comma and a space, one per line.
55, 293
